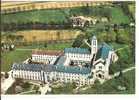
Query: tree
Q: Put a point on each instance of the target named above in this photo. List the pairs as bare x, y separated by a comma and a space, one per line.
6, 75
11, 37
115, 28
86, 9
19, 38
78, 41
29, 61
107, 28
122, 37
111, 37
96, 84
45, 45
26, 85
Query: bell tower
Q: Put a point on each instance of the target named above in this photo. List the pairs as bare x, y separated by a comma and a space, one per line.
93, 45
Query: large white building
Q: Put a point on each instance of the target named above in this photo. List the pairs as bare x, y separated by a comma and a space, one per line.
79, 65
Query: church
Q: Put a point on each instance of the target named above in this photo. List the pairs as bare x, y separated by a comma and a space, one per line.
79, 65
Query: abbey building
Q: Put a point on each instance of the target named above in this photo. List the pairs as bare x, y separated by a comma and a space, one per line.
79, 65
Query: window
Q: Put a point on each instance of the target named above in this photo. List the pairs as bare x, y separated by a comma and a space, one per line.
100, 67
94, 42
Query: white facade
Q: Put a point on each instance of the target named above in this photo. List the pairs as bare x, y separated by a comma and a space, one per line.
101, 67
29, 75
82, 57
48, 59
81, 79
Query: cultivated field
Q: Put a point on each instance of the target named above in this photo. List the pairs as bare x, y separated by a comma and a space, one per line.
48, 35
27, 6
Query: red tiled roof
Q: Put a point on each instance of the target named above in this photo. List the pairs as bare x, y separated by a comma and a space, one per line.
48, 52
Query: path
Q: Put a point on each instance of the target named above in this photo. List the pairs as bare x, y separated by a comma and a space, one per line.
85, 40
44, 89
124, 71
7, 83
27, 92
121, 48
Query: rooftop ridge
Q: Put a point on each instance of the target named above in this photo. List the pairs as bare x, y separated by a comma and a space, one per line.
77, 50
50, 68
48, 52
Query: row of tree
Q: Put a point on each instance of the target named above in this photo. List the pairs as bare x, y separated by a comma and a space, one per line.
109, 34
125, 7
13, 26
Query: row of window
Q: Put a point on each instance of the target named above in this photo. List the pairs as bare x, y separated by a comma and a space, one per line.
78, 56
43, 56
33, 76
27, 77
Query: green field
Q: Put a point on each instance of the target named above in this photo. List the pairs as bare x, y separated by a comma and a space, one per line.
22, 53
43, 16
8, 58
117, 16
60, 16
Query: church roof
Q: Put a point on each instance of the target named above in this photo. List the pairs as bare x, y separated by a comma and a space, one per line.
27, 67
47, 52
73, 69
77, 50
103, 51
60, 60
51, 68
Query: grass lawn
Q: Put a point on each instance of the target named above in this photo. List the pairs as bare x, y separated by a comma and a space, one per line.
56, 46
59, 46
67, 88
117, 16
27, 88
110, 87
8, 58
43, 16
